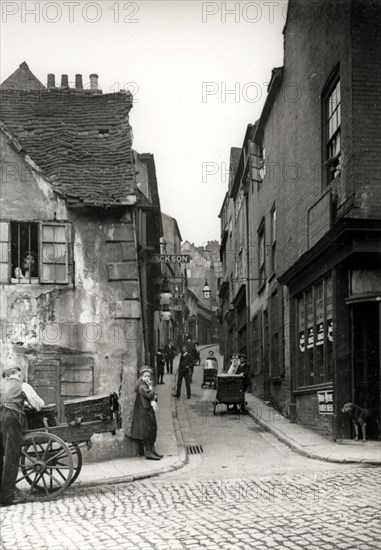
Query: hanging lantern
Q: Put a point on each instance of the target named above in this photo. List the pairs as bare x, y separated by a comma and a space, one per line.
206, 291
165, 315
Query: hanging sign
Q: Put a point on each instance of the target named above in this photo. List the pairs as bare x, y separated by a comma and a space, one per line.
170, 258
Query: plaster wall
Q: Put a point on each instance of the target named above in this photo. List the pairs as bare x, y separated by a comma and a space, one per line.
94, 321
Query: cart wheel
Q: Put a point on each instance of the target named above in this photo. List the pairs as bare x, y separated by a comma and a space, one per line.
46, 466
77, 460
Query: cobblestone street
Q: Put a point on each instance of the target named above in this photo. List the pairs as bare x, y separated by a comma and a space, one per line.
335, 509
245, 490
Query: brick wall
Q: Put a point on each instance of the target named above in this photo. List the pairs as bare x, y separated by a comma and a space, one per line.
366, 86
317, 39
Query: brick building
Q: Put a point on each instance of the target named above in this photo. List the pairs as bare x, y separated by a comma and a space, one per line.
315, 218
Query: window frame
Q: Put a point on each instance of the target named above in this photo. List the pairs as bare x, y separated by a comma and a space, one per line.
331, 163
261, 239
6, 242
310, 350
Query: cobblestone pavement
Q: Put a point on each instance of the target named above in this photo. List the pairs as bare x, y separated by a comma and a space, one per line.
245, 490
335, 509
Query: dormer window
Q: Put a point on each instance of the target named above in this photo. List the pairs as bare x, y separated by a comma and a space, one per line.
103, 132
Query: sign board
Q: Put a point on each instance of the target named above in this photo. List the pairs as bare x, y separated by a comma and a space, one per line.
170, 258
175, 308
325, 401
169, 280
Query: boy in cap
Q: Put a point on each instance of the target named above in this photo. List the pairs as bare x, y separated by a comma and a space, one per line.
144, 425
14, 396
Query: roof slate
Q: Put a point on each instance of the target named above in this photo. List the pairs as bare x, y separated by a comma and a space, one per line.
81, 141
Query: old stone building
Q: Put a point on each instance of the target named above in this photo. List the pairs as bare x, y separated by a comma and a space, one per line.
72, 317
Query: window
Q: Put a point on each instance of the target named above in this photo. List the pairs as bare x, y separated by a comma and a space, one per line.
261, 254
35, 252
273, 238
262, 159
314, 335
332, 129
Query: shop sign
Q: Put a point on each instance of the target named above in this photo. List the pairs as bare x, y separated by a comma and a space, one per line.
320, 335
302, 344
174, 280
171, 258
310, 338
330, 330
175, 308
325, 402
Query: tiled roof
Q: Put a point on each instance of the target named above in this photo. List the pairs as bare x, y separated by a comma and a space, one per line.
82, 141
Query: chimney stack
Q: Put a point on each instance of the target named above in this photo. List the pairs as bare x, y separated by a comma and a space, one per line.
93, 82
64, 81
51, 80
78, 82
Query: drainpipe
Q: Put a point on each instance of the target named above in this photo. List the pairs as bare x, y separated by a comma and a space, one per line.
248, 274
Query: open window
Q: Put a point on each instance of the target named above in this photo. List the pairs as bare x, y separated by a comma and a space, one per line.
35, 252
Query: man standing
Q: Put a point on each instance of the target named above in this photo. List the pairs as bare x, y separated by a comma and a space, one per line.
169, 354
14, 395
192, 351
186, 362
160, 362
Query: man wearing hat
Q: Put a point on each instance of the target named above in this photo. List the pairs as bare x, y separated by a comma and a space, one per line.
14, 396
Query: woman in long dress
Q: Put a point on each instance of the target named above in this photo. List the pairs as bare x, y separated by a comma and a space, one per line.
144, 425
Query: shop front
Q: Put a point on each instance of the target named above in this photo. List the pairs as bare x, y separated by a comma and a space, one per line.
335, 309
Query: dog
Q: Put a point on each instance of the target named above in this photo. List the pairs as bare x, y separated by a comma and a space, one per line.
361, 417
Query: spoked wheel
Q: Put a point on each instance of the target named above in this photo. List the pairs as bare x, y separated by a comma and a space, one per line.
46, 466
77, 460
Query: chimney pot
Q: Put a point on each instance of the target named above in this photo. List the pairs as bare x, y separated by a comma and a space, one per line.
64, 81
78, 82
51, 80
93, 82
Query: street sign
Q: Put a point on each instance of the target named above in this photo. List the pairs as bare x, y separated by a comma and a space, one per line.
170, 258
175, 308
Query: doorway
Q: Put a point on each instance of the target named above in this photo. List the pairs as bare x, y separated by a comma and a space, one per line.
366, 359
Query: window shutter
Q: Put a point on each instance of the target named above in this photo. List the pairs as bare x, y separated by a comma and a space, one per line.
56, 259
5, 250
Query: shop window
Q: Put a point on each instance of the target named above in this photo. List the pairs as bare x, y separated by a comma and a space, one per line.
261, 255
332, 127
314, 335
33, 252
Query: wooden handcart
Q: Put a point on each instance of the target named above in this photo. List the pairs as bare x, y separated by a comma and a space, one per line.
51, 458
230, 391
210, 371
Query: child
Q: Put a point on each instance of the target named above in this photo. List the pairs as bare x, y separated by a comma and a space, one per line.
144, 425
